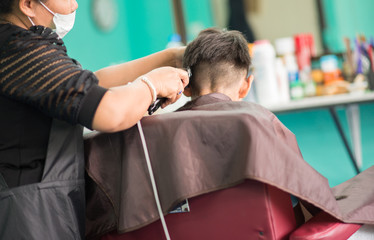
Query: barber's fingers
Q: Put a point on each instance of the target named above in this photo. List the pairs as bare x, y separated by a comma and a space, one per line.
182, 82
181, 87
179, 53
183, 76
169, 101
169, 83
174, 97
168, 80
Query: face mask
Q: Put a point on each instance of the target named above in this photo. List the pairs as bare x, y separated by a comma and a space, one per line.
63, 23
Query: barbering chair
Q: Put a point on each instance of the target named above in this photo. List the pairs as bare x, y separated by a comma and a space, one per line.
250, 210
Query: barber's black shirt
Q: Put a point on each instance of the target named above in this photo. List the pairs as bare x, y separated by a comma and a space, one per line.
38, 82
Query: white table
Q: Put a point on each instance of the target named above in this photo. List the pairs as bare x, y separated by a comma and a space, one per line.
350, 101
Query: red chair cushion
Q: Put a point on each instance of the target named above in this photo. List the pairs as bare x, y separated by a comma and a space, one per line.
251, 210
324, 226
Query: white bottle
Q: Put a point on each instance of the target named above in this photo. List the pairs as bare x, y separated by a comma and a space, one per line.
282, 80
285, 48
264, 73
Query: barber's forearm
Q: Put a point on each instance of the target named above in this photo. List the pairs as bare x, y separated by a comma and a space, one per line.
121, 107
121, 74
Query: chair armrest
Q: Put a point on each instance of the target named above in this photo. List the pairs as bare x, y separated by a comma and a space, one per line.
324, 226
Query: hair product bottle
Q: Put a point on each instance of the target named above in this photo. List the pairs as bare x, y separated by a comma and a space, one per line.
264, 73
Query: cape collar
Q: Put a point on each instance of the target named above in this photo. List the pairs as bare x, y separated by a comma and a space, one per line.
204, 100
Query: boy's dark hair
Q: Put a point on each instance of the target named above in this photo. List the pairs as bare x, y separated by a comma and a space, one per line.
6, 6
214, 54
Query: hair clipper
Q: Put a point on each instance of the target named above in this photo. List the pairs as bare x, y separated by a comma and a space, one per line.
159, 101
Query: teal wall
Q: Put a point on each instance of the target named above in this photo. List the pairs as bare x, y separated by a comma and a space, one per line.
321, 145
143, 28
198, 16
93, 48
347, 18
149, 24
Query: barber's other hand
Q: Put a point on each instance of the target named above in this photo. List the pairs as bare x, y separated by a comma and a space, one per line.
178, 53
169, 83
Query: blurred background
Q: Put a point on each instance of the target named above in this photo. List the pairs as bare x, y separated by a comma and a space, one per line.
318, 46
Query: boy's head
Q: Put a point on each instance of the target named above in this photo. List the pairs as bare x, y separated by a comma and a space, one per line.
219, 61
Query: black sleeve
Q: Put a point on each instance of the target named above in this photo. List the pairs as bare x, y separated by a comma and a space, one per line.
35, 69
89, 105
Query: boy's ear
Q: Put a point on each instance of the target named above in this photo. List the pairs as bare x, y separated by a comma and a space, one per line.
245, 86
187, 91
27, 7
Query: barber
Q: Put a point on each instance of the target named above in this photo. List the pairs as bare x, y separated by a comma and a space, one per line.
45, 98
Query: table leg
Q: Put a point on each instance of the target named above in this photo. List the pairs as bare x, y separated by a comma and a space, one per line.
353, 116
342, 135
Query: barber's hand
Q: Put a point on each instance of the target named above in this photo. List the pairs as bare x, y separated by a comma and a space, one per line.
178, 56
169, 83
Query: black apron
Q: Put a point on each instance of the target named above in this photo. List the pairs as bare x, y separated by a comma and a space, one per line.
55, 207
